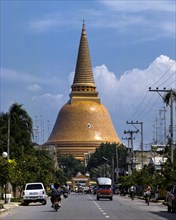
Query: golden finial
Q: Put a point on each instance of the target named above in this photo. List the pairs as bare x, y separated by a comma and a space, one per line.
83, 25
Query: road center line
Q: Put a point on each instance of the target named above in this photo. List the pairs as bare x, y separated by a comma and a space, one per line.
101, 210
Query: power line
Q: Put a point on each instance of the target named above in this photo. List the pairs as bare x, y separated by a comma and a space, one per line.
170, 83
167, 79
163, 74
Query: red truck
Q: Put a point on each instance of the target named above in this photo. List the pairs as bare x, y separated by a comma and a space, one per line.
171, 199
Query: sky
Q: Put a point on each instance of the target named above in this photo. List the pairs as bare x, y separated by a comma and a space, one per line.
132, 47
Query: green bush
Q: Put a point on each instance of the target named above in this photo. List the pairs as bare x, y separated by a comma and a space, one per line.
17, 199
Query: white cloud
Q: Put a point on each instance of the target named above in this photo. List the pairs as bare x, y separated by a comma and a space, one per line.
15, 76
34, 88
45, 24
132, 86
48, 100
152, 18
141, 5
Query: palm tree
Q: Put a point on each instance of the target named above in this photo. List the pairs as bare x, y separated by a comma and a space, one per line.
21, 132
168, 95
169, 98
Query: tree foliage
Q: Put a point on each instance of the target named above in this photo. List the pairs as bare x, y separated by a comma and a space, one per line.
70, 165
20, 131
163, 179
26, 163
169, 95
108, 151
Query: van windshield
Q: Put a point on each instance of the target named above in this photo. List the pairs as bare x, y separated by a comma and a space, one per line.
104, 187
34, 186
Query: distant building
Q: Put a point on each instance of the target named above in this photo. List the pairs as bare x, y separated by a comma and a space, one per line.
150, 158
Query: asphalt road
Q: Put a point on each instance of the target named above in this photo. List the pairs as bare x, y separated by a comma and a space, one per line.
86, 207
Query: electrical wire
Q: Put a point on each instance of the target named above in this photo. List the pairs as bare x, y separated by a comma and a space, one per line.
167, 79
139, 106
171, 83
163, 74
155, 101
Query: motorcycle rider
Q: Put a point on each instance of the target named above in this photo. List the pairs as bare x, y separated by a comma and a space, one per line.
65, 190
147, 193
132, 192
56, 193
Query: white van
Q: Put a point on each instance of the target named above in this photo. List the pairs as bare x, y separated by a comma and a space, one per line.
34, 192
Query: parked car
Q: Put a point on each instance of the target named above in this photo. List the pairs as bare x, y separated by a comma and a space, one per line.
34, 192
171, 199
104, 189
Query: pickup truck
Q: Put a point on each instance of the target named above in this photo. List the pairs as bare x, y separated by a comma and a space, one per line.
171, 199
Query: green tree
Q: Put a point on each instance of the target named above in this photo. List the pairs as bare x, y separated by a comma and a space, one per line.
20, 131
4, 174
45, 167
60, 177
32, 165
107, 151
70, 165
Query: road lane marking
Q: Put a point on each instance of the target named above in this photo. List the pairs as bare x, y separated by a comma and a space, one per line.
101, 210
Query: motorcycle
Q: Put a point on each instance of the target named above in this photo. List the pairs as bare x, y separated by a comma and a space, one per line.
56, 204
65, 194
147, 197
132, 195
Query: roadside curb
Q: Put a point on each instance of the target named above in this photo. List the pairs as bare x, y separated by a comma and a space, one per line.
9, 206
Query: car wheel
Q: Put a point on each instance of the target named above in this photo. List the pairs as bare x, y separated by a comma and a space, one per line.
98, 198
111, 198
44, 202
173, 208
26, 203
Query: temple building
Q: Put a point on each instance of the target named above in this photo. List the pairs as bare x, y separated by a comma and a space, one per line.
83, 123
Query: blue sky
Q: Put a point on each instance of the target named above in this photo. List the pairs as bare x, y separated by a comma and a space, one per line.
132, 46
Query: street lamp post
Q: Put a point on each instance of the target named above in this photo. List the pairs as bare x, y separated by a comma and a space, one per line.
106, 160
117, 164
5, 156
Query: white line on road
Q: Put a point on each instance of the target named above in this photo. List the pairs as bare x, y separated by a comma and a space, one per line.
101, 210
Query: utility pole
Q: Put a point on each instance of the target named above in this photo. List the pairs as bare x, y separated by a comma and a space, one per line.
130, 132
117, 164
128, 138
8, 138
171, 116
142, 142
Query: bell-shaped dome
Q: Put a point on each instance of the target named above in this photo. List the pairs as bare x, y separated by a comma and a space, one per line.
84, 122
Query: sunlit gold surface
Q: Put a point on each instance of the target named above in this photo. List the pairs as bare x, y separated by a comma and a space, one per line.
83, 122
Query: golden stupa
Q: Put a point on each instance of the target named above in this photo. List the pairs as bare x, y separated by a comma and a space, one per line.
83, 123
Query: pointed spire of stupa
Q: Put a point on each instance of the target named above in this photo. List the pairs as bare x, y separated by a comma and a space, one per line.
83, 83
